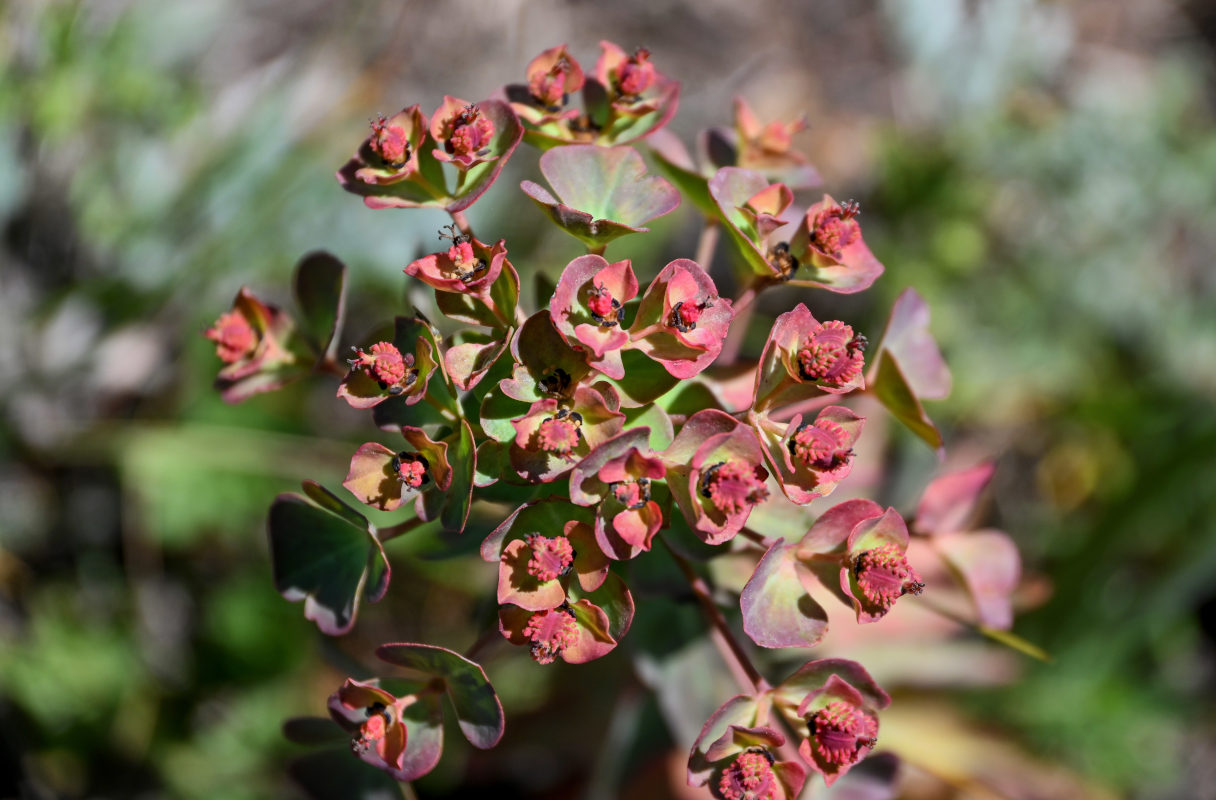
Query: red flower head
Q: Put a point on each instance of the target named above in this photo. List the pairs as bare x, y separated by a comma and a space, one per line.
829, 238
390, 154
463, 132
804, 357
468, 266
384, 479
552, 437
616, 478
875, 571
587, 309
838, 702
535, 570
716, 474
552, 77
766, 146
634, 86
253, 339
682, 322
389, 369
735, 756
813, 456
374, 717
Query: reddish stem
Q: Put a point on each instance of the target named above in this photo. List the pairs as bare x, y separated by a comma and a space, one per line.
707, 243
745, 672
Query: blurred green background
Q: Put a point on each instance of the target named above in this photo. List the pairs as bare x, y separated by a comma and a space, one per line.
1043, 172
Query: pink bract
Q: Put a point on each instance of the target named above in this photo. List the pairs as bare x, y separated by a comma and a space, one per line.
682, 322
586, 309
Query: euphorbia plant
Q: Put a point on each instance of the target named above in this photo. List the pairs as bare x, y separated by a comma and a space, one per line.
578, 414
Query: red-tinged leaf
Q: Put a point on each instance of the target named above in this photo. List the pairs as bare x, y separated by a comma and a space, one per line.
547, 517
730, 189
949, 502
908, 339
371, 477
519, 587
989, 567
478, 711
778, 610
892, 389
602, 193
674, 161
739, 710
468, 363
830, 533
326, 554
320, 281
614, 597
814, 675
491, 461
889, 528
875, 778
594, 637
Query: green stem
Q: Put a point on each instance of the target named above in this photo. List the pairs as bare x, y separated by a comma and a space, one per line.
596, 251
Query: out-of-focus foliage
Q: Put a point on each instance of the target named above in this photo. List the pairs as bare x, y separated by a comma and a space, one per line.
1041, 172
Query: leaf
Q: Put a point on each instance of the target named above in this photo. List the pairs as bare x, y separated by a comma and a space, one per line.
320, 281
988, 565
313, 731
892, 389
731, 188
740, 710
645, 380
497, 411
675, 162
463, 460
547, 517
326, 554
908, 340
815, 674
478, 710
336, 775
602, 193
950, 500
778, 610
469, 362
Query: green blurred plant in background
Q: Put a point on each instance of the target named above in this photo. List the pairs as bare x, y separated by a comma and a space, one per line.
1042, 172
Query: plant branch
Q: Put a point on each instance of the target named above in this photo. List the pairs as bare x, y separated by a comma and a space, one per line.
745, 672
742, 308
462, 222
400, 529
707, 243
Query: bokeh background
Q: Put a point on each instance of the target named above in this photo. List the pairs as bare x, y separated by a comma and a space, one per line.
1043, 172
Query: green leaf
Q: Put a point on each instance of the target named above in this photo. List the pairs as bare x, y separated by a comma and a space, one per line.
892, 389
337, 775
320, 293
478, 711
462, 458
325, 553
602, 193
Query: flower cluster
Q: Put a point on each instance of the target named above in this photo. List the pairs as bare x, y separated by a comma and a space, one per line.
622, 414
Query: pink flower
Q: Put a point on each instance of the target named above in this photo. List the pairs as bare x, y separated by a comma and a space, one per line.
463, 133
616, 478
390, 154
586, 309
829, 236
813, 456
254, 340
553, 76
374, 717
553, 436
715, 473
468, 266
682, 322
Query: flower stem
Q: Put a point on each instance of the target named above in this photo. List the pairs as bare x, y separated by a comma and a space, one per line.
385, 534
742, 307
462, 222
707, 243
802, 407
745, 672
